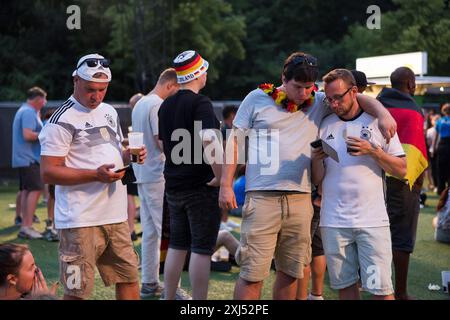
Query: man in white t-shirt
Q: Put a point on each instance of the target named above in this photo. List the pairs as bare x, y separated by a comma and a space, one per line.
150, 179
280, 123
80, 153
354, 220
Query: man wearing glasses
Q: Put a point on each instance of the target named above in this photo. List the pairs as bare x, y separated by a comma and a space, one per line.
353, 217
277, 211
81, 149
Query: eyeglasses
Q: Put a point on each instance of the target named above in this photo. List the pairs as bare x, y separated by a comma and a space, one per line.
303, 61
94, 62
337, 97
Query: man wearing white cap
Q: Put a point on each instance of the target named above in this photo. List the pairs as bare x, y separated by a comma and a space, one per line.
81, 153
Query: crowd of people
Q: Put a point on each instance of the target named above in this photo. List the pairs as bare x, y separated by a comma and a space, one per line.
319, 203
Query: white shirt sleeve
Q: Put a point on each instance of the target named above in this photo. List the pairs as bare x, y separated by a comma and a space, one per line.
55, 140
153, 115
244, 115
394, 147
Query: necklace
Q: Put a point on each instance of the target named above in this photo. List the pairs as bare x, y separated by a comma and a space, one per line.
281, 99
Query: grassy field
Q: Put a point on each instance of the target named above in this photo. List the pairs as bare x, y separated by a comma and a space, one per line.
427, 262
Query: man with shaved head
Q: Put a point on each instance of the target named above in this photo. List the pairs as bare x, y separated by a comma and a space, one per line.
403, 194
403, 79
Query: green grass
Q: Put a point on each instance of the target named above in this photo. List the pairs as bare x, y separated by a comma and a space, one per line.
427, 262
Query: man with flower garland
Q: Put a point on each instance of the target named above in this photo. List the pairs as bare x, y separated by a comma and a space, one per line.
277, 211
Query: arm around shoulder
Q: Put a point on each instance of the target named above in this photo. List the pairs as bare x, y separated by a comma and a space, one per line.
375, 108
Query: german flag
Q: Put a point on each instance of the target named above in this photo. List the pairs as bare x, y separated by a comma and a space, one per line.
410, 119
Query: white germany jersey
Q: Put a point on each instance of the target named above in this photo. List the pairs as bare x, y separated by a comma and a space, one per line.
353, 189
87, 138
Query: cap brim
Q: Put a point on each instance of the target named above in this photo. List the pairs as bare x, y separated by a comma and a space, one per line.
369, 83
87, 74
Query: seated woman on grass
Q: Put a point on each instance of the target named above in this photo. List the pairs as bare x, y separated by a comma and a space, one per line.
19, 275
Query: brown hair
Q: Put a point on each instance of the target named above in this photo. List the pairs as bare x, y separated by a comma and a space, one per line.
11, 256
301, 67
342, 74
168, 75
442, 199
36, 92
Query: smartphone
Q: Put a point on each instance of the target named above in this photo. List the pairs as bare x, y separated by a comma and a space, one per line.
122, 169
316, 143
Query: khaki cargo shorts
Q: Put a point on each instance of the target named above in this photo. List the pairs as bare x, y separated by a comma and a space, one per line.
109, 247
275, 225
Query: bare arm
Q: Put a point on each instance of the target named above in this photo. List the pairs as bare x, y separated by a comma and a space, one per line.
158, 143
216, 166
55, 171
375, 108
213, 154
317, 167
30, 135
393, 165
227, 198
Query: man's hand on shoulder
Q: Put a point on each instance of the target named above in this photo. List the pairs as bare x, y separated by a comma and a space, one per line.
387, 126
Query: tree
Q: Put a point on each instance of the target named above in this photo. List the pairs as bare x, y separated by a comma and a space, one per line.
146, 36
404, 30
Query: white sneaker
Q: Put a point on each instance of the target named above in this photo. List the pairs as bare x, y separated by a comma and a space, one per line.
232, 224
223, 226
29, 233
313, 297
180, 294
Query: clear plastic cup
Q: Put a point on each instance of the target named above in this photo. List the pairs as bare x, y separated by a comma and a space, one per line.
135, 144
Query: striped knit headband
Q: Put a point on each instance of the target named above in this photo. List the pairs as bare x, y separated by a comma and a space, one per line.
189, 65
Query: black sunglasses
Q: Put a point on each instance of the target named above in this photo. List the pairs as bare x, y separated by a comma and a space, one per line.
94, 62
303, 61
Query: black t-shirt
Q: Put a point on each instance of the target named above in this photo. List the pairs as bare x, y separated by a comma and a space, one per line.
187, 169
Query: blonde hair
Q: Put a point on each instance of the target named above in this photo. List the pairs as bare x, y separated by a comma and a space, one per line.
168, 75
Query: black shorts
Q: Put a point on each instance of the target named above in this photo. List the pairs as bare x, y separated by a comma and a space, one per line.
316, 238
194, 219
132, 189
30, 178
403, 206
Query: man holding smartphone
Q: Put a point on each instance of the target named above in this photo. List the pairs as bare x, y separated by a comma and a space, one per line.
80, 147
353, 218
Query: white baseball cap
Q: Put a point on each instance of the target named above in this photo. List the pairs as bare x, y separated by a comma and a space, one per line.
91, 64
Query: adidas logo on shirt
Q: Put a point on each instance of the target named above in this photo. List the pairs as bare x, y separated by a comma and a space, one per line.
330, 137
87, 125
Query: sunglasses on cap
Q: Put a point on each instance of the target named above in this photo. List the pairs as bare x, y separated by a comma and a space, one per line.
303, 61
94, 62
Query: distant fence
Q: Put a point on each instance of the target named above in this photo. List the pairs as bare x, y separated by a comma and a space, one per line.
9, 109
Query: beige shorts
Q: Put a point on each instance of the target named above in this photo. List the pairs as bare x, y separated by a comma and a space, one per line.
367, 251
274, 225
109, 247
